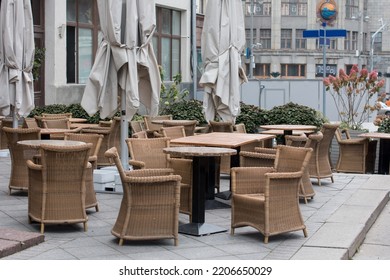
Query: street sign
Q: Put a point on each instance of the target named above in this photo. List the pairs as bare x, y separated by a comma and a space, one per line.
327, 32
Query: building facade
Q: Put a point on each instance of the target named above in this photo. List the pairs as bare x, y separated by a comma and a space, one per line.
280, 49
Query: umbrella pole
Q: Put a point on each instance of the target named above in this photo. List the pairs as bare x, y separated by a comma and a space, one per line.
12, 88
124, 132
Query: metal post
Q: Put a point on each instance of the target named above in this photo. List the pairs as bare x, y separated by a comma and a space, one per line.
361, 38
251, 58
194, 52
324, 70
383, 26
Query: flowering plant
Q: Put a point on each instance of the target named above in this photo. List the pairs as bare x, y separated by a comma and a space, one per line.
352, 94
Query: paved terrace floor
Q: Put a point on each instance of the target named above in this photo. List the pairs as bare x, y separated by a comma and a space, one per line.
337, 219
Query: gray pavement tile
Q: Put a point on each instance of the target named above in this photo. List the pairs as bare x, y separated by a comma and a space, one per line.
206, 252
372, 252
315, 253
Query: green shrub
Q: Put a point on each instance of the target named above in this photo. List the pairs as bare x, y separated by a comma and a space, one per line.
292, 113
186, 110
252, 116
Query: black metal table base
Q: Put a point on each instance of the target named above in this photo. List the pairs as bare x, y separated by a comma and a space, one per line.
200, 229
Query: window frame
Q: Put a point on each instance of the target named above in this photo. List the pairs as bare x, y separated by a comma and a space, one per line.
285, 70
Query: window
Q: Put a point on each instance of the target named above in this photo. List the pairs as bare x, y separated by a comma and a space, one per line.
347, 43
377, 42
293, 70
248, 37
351, 8
166, 41
260, 8
294, 8
265, 38
286, 39
354, 38
262, 70
300, 42
82, 39
200, 6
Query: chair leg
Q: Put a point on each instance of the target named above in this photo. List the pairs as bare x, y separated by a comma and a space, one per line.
231, 231
305, 232
85, 226
319, 181
266, 239
120, 241
176, 241
97, 208
42, 228
331, 178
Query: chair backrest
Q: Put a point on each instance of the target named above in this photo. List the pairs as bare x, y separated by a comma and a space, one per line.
94, 139
189, 125
239, 128
342, 134
328, 131
149, 151
14, 135
292, 159
173, 132
59, 115
137, 126
63, 123
221, 126
30, 123
153, 126
140, 134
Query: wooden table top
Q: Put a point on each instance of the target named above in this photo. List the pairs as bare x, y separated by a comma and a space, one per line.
199, 151
221, 139
289, 127
380, 135
179, 122
77, 120
37, 143
57, 130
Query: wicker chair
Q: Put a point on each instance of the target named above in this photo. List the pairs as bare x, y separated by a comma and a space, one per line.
56, 192
173, 132
150, 204
151, 127
356, 155
239, 128
148, 154
312, 141
140, 134
319, 166
266, 198
30, 123
111, 139
189, 125
6, 122
96, 141
137, 126
59, 115
221, 126
20, 154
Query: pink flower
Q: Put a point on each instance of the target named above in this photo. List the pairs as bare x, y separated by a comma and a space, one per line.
364, 73
327, 82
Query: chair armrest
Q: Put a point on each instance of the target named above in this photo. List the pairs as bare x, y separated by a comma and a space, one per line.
32, 165
354, 141
98, 130
137, 164
265, 150
150, 172
284, 175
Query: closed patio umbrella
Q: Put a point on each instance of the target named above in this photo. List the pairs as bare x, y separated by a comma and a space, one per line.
16, 58
113, 81
223, 39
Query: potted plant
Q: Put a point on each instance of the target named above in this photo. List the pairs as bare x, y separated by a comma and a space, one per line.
352, 95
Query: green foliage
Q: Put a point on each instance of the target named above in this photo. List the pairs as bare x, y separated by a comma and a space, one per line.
292, 113
252, 116
171, 94
39, 58
186, 110
384, 126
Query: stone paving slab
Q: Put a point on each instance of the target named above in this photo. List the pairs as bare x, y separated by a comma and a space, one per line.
13, 241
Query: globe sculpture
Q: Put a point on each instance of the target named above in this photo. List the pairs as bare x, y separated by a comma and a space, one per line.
328, 11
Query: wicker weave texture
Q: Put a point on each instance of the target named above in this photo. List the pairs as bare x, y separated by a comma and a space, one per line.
20, 154
57, 186
148, 153
266, 198
150, 204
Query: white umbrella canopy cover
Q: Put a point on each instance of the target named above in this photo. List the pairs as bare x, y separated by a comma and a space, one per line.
17, 50
223, 39
120, 54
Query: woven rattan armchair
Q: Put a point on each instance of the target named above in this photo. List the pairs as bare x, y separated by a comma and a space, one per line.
188, 125
111, 138
356, 155
150, 203
151, 127
137, 126
266, 198
96, 141
173, 132
319, 166
30, 123
148, 154
56, 192
6, 122
20, 154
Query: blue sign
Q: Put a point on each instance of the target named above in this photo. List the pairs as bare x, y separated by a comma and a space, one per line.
321, 32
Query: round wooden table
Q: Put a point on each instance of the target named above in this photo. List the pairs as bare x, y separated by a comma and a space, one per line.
289, 128
37, 143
